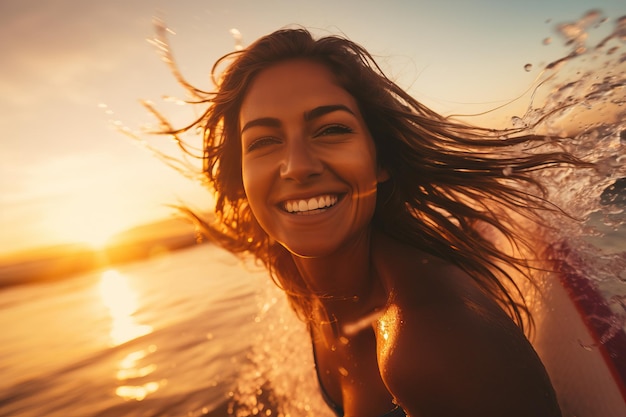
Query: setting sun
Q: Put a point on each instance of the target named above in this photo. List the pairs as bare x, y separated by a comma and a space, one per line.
91, 219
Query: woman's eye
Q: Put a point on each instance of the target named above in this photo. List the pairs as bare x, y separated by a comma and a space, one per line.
262, 142
334, 130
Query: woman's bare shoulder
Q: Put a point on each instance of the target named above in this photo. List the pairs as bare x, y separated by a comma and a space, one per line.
446, 348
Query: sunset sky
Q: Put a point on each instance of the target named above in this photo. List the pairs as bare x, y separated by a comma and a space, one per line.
72, 69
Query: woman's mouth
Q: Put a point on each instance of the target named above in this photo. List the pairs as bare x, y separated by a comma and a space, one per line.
311, 205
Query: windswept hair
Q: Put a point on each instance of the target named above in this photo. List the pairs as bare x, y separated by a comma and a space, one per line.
448, 180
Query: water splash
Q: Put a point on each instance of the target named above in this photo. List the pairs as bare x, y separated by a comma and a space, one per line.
580, 103
576, 33
581, 100
279, 377
238, 39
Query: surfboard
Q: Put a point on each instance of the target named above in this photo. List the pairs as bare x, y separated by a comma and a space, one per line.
580, 340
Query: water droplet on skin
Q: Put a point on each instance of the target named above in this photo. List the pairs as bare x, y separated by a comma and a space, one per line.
528, 67
343, 371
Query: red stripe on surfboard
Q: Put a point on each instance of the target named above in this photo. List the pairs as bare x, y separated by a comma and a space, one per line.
595, 312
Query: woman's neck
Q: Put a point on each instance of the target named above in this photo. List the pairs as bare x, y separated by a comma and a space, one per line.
344, 282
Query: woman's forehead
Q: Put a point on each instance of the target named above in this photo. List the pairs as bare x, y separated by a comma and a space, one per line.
294, 84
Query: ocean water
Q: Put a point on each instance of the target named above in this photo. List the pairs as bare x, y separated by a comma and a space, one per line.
190, 333
195, 332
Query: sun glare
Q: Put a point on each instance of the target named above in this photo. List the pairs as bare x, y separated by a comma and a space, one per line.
92, 221
96, 239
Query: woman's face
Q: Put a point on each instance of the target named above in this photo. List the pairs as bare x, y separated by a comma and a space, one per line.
308, 160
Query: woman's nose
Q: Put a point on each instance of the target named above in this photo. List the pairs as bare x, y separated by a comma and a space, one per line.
300, 162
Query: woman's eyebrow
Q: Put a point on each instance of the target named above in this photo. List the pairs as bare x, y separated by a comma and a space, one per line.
264, 121
308, 116
322, 110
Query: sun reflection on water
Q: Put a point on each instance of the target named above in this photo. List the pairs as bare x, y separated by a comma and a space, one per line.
121, 301
130, 371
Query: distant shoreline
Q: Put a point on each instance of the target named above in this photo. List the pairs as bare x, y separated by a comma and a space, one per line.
60, 262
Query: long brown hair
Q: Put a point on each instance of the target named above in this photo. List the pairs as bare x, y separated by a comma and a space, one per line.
447, 178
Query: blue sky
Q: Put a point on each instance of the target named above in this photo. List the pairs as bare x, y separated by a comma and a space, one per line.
66, 174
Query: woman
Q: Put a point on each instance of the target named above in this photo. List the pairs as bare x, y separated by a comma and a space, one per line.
371, 212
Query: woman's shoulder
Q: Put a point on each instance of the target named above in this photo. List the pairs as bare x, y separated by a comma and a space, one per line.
444, 343
428, 295
431, 299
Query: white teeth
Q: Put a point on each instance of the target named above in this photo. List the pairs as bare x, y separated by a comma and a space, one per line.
316, 203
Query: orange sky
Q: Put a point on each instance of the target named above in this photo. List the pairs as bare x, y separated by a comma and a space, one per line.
72, 68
